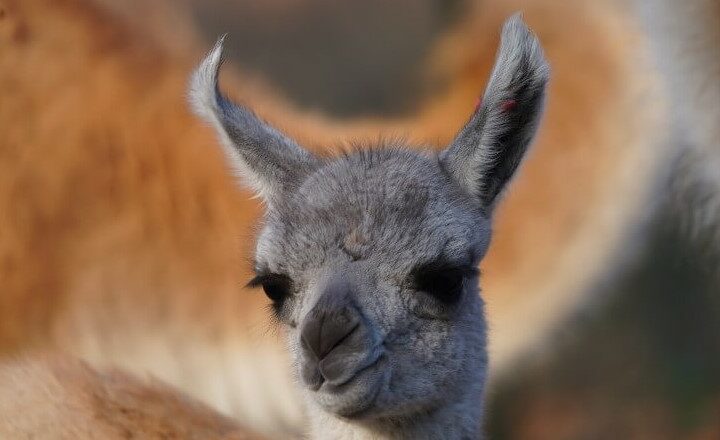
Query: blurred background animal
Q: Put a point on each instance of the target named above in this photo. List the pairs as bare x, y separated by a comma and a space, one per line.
124, 241
685, 38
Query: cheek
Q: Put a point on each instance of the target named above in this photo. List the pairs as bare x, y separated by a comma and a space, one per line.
446, 347
426, 344
483, 242
292, 342
435, 356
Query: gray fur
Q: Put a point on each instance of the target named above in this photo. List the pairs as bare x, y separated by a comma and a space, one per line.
488, 150
269, 161
376, 355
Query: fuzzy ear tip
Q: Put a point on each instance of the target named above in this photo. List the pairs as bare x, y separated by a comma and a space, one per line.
202, 90
518, 38
515, 20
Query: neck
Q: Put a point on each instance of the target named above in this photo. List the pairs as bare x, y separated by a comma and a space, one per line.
459, 420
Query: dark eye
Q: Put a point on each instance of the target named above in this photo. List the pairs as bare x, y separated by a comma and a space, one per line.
440, 280
277, 287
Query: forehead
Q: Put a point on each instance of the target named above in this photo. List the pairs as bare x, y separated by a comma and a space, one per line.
391, 206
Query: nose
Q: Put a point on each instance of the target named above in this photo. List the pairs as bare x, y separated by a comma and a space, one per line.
334, 340
327, 329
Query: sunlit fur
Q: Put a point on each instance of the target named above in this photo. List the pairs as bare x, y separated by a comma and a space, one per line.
59, 398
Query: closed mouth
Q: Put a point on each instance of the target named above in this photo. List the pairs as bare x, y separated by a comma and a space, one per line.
368, 382
363, 410
341, 387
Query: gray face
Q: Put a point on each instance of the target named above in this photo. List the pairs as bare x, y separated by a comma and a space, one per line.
370, 258
377, 253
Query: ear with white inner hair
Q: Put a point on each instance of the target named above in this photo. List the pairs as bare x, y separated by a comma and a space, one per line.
488, 150
267, 160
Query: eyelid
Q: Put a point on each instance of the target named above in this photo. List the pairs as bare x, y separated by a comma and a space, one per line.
470, 271
261, 278
444, 265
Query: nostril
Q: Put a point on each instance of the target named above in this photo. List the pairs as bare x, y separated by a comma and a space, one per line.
322, 333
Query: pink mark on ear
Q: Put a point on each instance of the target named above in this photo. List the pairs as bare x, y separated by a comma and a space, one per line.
508, 105
478, 103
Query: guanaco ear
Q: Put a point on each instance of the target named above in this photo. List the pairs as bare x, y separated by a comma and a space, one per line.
267, 160
488, 150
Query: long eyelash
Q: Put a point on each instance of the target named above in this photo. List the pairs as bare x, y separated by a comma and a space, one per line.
256, 281
261, 278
